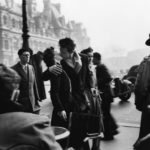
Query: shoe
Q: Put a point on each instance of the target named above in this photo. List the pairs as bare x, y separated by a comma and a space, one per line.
107, 138
115, 132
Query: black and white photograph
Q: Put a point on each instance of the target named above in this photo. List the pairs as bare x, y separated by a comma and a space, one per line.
73, 75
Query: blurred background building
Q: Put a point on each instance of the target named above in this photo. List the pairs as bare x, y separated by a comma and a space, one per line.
45, 29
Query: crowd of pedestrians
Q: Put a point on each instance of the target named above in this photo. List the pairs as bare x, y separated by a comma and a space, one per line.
79, 83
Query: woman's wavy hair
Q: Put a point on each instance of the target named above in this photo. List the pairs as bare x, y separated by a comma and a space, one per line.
48, 56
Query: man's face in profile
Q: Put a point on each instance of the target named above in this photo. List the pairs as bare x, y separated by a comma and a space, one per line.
90, 56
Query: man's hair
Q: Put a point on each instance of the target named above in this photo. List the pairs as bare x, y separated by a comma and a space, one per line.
22, 50
67, 43
86, 51
97, 55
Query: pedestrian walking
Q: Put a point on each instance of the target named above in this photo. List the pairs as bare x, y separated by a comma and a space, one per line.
142, 95
103, 80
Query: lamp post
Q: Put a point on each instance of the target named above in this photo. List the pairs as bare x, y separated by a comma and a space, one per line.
25, 30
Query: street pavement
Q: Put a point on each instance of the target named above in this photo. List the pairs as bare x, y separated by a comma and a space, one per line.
123, 141
127, 117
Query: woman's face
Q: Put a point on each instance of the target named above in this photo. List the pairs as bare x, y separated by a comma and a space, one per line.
64, 53
90, 56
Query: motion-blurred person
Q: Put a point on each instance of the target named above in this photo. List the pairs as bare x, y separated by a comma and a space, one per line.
143, 143
19, 130
142, 95
29, 96
103, 80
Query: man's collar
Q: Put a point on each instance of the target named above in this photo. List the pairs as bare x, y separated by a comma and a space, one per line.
23, 65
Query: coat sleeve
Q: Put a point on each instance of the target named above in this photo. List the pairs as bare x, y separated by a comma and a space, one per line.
55, 88
55, 93
142, 85
36, 93
46, 75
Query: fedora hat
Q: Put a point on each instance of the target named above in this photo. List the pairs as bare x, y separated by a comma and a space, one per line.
148, 41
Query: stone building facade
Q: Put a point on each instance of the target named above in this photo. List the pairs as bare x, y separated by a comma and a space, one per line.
45, 29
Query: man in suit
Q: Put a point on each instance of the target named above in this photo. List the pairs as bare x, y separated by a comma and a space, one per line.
29, 96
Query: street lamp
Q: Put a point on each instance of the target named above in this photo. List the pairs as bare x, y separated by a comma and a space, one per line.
25, 30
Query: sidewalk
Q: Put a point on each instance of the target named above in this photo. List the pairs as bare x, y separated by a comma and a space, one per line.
123, 141
128, 133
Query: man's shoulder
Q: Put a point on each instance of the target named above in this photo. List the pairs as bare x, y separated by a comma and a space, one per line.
102, 66
15, 66
146, 59
145, 62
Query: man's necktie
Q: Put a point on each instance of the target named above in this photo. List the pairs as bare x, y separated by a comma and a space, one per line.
26, 69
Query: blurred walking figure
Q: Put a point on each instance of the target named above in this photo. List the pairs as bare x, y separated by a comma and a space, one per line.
103, 81
142, 96
19, 130
29, 96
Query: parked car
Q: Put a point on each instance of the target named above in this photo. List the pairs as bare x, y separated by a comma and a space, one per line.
132, 73
123, 88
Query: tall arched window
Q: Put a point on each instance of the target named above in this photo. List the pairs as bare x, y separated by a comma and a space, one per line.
6, 44
5, 20
13, 23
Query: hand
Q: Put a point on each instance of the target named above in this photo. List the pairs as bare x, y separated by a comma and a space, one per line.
94, 91
63, 115
55, 69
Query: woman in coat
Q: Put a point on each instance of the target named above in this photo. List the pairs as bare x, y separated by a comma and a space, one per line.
60, 91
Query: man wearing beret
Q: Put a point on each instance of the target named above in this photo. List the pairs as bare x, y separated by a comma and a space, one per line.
29, 96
